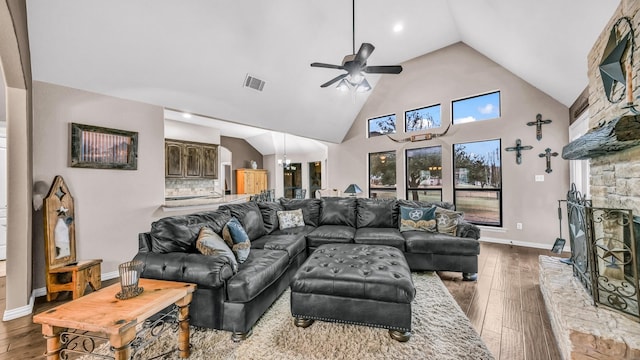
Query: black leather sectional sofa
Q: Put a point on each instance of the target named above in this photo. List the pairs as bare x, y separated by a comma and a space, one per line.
234, 302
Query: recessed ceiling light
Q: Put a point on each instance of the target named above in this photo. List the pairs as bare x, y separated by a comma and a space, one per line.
398, 27
186, 115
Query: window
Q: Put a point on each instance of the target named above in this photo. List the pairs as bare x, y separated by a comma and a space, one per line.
382, 125
477, 108
423, 118
424, 174
478, 181
382, 174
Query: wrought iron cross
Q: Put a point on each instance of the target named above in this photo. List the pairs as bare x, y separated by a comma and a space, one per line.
548, 154
518, 148
538, 124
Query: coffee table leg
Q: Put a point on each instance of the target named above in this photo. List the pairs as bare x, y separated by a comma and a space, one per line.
52, 335
183, 331
122, 343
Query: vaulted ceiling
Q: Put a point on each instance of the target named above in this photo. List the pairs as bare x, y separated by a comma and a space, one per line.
194, 55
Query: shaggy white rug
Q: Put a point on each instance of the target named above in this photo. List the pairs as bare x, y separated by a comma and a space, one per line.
440, 331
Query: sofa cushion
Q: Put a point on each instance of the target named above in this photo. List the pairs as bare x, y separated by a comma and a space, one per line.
300, 230
269, 215
290, 218
310, 209
237, 239
448, 220
210, 243
419, 219
338, 211
293, 244
179, 233
250, 216
436, 243
261, 269
329, 234
380, 236
425, 204
377, 213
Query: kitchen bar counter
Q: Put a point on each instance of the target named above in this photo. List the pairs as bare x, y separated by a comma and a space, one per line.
202, 202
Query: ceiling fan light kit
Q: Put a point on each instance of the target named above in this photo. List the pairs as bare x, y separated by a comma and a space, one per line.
355, 66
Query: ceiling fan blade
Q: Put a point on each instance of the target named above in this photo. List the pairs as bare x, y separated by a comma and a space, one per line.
329, 66
389, 69
363, 54
335, 79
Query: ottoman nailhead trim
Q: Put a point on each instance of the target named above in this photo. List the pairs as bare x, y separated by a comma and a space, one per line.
350, 322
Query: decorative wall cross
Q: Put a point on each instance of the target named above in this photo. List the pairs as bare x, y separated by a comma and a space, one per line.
518, 148
548, 154
538, 123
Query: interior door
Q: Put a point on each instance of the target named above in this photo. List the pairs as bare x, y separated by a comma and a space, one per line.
315, 177
292, 179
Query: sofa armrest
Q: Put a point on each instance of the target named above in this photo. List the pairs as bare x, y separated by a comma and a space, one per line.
203, 270
144, 242
468, 230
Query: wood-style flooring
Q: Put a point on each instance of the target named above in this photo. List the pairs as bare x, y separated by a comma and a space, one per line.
505, 306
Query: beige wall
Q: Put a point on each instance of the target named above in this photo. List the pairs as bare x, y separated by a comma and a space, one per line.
456, 72
112, 206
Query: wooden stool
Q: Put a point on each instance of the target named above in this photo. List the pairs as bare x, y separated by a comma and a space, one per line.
82, 274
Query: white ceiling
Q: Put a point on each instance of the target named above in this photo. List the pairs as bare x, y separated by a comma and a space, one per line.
193, 55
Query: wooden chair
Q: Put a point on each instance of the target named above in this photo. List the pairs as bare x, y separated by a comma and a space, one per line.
63, 271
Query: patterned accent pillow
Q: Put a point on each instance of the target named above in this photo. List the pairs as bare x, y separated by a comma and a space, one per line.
237, 239
210, 243
448, 220
417, 219
290, 218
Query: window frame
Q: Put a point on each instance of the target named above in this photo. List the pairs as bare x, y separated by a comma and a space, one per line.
395, 125
409, 189
453, 102
384, 189
406, 127
498, 190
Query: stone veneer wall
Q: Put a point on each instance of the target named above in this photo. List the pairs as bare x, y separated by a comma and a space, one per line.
584, 331
615, 179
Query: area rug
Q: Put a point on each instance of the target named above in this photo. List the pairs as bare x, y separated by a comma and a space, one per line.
440, 331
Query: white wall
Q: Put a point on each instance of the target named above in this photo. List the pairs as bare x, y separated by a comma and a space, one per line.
276, 173
111, 206
456, 72
179, 130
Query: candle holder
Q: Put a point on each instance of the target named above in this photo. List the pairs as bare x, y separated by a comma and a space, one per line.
129, 276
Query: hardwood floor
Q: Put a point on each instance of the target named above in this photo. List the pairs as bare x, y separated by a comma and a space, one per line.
505, 306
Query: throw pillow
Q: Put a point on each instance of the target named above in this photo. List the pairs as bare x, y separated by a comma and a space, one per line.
210, 243
290, 218
237, 239
417, 219
448, 220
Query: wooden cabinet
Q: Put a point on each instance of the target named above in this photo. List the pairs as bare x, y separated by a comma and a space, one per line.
184, 159
250, 181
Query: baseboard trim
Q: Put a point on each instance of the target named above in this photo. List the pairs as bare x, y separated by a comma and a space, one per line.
12, 314
522, 243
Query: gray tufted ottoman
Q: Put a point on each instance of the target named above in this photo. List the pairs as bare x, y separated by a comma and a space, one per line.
356, 284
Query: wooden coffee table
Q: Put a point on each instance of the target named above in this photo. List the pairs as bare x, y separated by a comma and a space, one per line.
101, 312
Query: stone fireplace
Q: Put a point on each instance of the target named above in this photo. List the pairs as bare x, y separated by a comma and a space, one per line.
612, 146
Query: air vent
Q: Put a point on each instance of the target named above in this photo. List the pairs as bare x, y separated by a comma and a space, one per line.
253, 82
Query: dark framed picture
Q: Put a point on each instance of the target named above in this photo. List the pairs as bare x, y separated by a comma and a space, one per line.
103, 148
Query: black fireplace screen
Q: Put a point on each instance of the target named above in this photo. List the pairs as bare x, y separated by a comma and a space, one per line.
604, 253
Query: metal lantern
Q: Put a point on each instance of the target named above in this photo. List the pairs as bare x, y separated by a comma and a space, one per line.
129, 277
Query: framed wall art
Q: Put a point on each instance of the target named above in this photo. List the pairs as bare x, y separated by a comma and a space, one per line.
103, 148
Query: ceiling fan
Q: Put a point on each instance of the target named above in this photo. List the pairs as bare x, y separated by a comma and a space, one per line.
355, 65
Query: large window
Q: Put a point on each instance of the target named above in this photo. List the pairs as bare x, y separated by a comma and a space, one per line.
382, 174
422, 119
382, 125
424, 174
477, 108
478, 181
